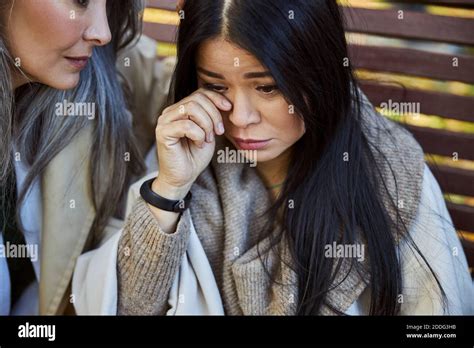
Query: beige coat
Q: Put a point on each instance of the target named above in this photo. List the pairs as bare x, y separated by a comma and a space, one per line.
65, 231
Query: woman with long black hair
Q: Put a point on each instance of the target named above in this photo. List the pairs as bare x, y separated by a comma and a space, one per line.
340, 214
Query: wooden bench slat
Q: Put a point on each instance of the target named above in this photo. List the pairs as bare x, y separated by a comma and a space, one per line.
413, 62
443, 142
161, 32
431, 103
451, 3
414, 25
454, 180
163, 4
462, 216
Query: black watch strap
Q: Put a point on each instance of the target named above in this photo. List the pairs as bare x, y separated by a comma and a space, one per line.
177, 206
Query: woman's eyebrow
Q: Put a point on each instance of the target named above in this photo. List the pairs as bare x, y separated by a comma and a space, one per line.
250, 75
256, 75
210, 73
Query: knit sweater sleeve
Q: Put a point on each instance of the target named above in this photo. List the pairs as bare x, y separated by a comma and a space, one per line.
147, 262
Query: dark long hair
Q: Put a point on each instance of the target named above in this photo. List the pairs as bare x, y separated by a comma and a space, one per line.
302, 43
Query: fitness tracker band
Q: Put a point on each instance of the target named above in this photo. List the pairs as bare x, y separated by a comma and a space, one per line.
177, 206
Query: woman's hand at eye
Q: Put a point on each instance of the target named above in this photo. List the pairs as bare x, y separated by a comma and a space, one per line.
185, 137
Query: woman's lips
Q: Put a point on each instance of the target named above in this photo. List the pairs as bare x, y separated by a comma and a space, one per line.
78, 62
251, 144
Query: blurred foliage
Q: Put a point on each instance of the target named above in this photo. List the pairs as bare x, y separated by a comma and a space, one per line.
413, 6
155, 15
437, 122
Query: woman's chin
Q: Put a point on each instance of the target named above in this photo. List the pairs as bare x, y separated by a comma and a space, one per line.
265, 155
65, 82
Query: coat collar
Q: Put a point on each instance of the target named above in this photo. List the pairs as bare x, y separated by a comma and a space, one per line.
68, 214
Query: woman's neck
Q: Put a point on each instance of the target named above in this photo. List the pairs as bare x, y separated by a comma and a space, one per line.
274, 172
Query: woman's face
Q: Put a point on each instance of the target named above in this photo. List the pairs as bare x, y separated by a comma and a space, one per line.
260, 111
52, 40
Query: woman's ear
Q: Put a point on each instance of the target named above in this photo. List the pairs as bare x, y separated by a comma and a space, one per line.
180, 5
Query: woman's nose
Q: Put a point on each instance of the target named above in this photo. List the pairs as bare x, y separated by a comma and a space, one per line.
243, 112
98, 31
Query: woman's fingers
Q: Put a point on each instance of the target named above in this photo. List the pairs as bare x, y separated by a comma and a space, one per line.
220, 101
193, 111
207, 103
193, 105
173, 132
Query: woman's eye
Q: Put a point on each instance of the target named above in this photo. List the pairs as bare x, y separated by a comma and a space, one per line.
268, 89
215, 88
82, 3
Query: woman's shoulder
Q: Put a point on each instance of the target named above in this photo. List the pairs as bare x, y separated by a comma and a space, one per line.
400, 160
433, 233
389, 136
